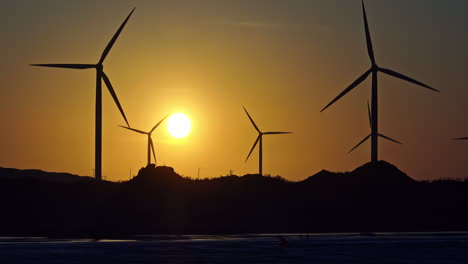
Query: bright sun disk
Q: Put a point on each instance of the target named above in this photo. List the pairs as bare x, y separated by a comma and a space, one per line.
178, 125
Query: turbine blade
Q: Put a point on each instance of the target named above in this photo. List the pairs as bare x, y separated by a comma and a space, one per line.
406, 78
369, 113
463, 138
66, 66
390, 139
155, 126
136, 130
251, 120
114, 38
370, 50
276, 133
255, 144
359, 144
152, 149
112, 92
354, 84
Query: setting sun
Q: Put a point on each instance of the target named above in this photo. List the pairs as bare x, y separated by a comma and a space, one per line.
178, 125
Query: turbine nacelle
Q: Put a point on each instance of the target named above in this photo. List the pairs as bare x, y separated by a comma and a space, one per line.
374, 69
378, 134
368, 136
100, 75
150, 140
259, 139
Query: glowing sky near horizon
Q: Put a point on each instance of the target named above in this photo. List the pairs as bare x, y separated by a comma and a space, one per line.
178, 125
282, 60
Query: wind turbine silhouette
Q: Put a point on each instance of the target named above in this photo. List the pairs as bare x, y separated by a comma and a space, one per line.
370, 124
100, 75
259, 139
150, 141
374, 69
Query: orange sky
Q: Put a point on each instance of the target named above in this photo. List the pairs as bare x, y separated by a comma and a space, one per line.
283, 62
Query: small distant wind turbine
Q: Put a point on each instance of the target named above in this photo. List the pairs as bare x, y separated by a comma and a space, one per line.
150, 141
374, 69
259, 139
370, 124
100, 75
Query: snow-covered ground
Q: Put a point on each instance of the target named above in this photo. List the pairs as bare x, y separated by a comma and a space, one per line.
332, 248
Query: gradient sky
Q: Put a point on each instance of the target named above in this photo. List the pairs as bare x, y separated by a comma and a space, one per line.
282, 60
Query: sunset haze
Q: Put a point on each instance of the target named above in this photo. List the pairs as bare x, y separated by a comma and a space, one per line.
282, 60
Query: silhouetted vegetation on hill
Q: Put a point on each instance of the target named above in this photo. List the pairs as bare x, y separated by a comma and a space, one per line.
59, 177
373, 197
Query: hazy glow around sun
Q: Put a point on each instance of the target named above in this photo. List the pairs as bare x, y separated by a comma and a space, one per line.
178, 125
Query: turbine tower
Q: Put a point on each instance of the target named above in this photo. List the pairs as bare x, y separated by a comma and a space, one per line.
150, 141
370, 124
374, 69
259, 139
100, 75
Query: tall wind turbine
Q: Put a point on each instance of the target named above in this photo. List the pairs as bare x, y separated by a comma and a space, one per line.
259, 139
370, 124
150, 141
374, 69
100, 75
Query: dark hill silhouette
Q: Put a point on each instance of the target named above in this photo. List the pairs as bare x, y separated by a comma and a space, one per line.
157, 175
57, 177
373, 197
321, 176
379, 173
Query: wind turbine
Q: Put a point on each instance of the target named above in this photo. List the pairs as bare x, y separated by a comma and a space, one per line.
374, 69
259, 139
150, 141
100, 75
370, 124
